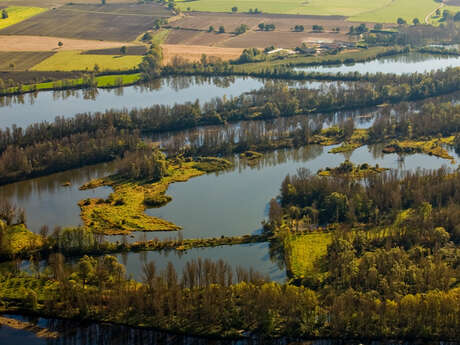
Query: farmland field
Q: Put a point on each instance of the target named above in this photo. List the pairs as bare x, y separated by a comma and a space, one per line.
194, 53
358, 10
21, 60
405, 9
17, 14
113, 22
18, 43
193, 29
316, 7
75, 61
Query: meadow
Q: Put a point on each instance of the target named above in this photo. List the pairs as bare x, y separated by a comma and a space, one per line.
75, 61
406, 9
315, 7
385, 11
306, 250
17, 14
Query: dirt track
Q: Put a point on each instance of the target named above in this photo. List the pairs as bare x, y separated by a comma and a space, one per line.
38, 44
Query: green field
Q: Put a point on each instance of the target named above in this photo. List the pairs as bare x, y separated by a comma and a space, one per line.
406, 9
318, 7
358, 10
305, 250
115, 80
75, 61
17, 14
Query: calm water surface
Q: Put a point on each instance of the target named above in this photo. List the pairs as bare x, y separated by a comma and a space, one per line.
77, 333
27, 109
398, 64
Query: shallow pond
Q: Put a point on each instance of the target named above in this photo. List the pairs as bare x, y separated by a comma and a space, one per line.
398, 64
30, 108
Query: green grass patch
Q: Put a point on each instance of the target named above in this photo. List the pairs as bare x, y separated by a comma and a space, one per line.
306, 251
75, 61
17, 14
123, 211
315, 7
406, 9
160, 36
114, 80
17, 239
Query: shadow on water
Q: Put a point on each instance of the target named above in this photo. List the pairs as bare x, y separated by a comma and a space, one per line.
78, 333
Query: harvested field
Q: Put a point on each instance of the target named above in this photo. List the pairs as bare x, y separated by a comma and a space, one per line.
30, 77
194, 53
130, 50
21, 61
193, 29
202, 38
113, 22
38, 43
57, 3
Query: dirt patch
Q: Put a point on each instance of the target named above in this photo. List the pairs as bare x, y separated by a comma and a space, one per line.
17, 43
21, 61
113, 22
30, 77
194, 53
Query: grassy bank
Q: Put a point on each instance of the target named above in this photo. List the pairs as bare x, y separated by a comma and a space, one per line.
103, 81
123, 211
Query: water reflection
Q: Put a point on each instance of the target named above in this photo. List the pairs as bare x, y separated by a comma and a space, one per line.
81, 333
53, 200
26, 109
399, 64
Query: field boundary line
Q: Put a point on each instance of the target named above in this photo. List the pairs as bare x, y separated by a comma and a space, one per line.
109, 13
427, 18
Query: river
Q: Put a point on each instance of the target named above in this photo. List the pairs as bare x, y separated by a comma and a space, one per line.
398, 64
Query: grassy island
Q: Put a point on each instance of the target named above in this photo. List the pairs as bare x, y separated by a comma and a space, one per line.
123, 211
347, 168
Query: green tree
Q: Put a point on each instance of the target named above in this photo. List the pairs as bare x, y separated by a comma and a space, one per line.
234, 9
401, 21
4, 14
221, 29
123, 50
60, 44
416, 21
